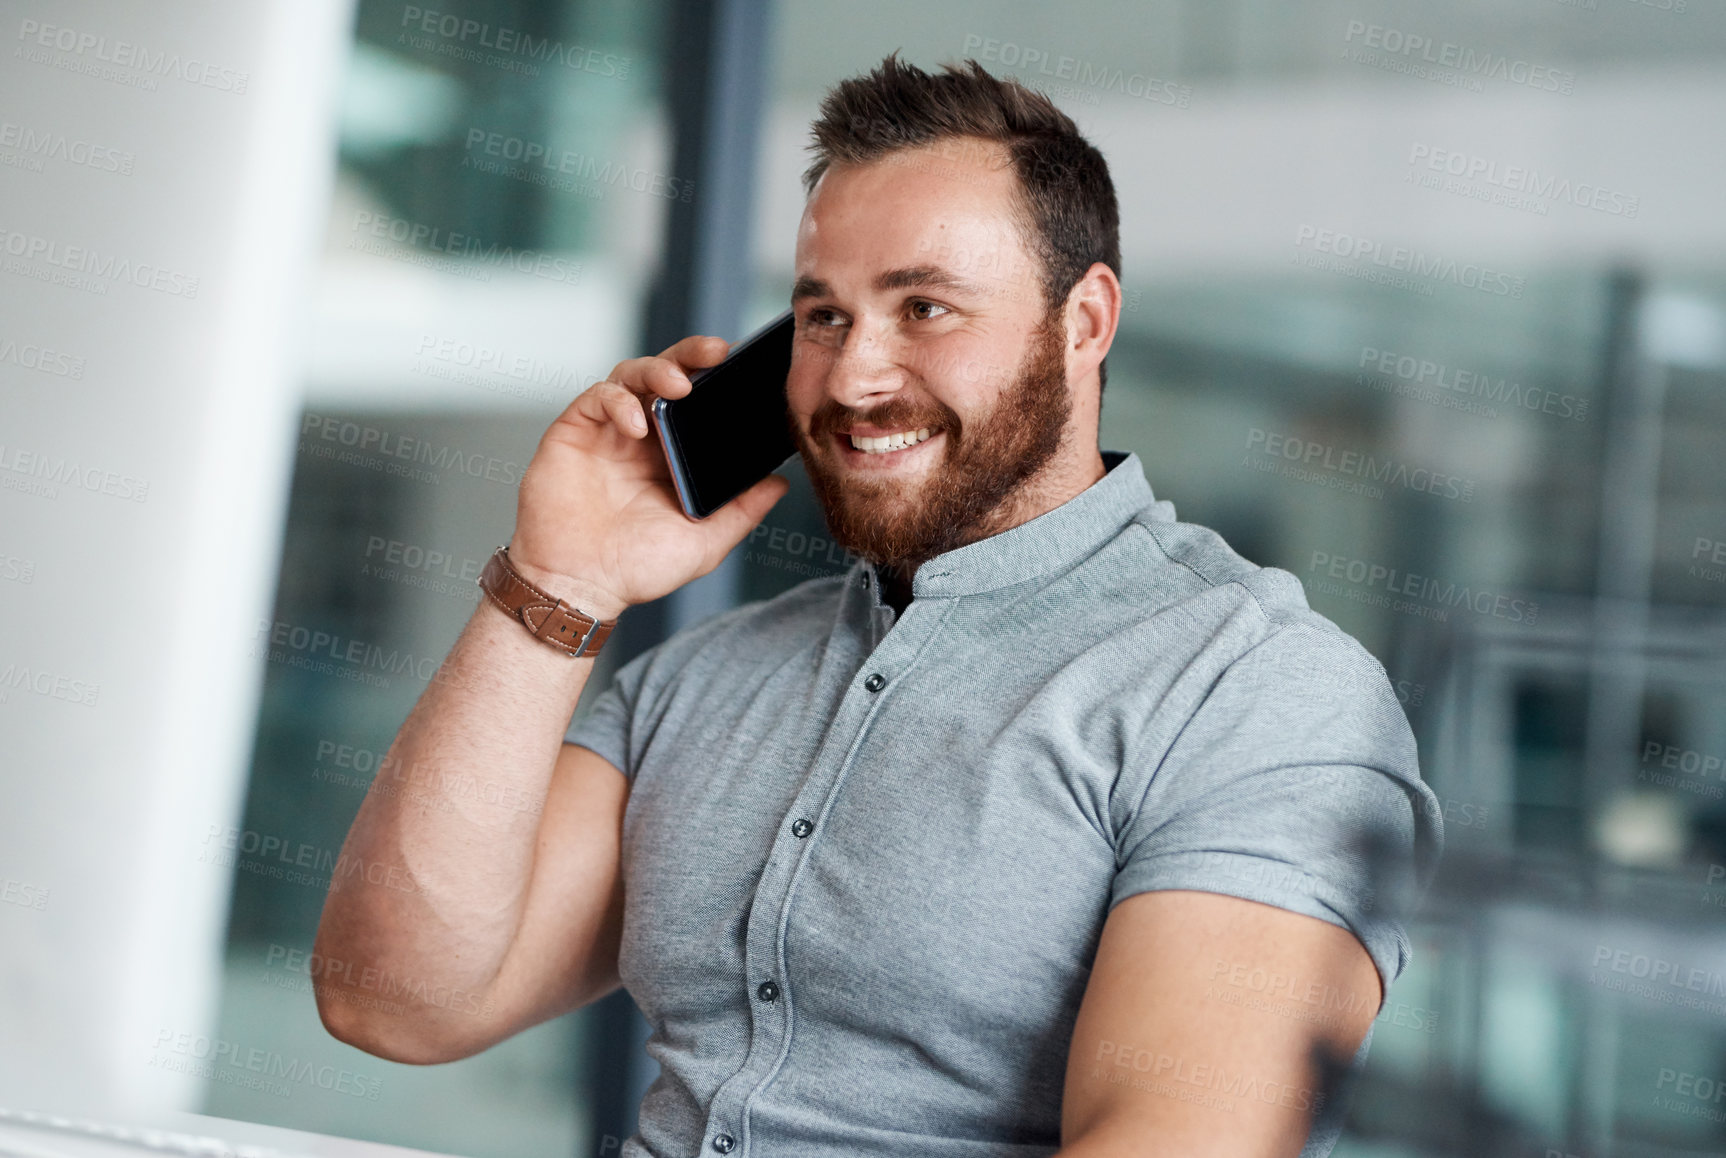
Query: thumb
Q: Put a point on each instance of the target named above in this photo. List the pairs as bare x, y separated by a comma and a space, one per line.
736, 518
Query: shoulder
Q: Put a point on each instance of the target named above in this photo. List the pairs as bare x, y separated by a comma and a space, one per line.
1206, 562
1186, 566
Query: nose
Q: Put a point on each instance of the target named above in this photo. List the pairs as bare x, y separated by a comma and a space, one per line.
863, 371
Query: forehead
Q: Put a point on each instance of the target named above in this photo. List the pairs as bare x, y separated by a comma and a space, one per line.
953, 203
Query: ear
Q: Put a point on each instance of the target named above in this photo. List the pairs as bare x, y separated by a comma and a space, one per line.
1093, 313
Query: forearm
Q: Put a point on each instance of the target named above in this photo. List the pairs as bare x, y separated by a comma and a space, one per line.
432, 880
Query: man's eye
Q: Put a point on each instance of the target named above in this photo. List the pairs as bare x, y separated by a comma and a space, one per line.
918, 310
822, 317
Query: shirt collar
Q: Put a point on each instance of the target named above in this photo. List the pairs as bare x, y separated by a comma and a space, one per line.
1053, 540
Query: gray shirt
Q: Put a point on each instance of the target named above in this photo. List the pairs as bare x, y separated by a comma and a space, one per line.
867, 857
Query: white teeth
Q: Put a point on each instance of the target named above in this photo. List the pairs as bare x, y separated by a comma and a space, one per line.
895, 441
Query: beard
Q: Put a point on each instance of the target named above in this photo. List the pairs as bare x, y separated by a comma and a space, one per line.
899, 524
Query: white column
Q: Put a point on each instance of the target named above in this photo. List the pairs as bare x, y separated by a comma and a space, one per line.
164, 168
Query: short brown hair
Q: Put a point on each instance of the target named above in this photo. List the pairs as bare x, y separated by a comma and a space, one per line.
1071, 217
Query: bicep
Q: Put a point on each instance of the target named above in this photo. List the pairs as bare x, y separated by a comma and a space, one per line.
565, 951
1202, 1025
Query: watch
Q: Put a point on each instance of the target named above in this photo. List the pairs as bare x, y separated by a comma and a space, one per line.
546, 617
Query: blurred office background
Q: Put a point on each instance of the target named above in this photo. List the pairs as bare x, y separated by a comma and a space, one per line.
1425, 305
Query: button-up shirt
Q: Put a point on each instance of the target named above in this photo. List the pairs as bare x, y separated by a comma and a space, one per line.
867, 856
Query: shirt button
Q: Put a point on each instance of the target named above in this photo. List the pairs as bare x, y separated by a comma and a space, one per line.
875, 682
801, 828
724, 1143
767, 991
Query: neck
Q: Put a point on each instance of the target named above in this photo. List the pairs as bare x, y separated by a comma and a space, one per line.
1057, 484
896, 589
1060, 482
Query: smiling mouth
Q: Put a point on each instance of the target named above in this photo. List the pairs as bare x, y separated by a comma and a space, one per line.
888, 443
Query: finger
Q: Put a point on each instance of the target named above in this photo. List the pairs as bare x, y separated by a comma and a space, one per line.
736, 518
655, 376
697, 352
668, 374
626, 411
609, 402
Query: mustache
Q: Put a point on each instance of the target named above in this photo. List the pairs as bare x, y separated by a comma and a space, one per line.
897, 413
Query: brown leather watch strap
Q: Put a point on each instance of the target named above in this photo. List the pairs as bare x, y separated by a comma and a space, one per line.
546, 617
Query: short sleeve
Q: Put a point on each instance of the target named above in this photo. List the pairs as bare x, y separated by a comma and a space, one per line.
1295, 783
605, 725
619, 721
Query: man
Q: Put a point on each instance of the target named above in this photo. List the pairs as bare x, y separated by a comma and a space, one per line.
1042, 830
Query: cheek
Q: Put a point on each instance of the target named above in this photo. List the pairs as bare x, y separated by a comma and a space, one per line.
965, 375
807, 377
803, 390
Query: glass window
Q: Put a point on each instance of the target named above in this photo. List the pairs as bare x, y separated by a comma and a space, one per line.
503, 185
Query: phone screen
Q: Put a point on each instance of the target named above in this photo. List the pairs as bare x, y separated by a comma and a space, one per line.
732, 429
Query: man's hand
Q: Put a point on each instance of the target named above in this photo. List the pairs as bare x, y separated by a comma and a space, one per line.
598, 521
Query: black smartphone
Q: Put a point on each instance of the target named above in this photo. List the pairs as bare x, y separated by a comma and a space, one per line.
732, 429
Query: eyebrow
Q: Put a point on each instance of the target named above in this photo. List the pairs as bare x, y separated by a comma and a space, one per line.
923, 276
909, 277
810, 287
